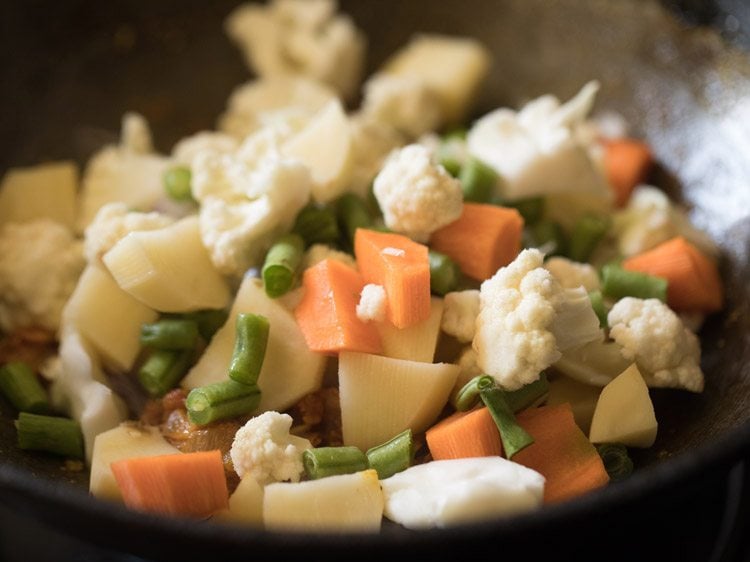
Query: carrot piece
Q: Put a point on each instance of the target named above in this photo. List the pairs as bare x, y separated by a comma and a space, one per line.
627, 163
465, 435
560, 452
693, 278
327, 313
402, 267
482, 240
189, 484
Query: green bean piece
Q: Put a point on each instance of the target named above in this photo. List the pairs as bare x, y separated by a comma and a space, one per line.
451, 154
550, 236
251, 339
21, 386
617, 461
163, 369
445, 274
527, 395
478, 181
352, 214
317, 224
282, 263
468, 395
177, 183
514, 437
170, 333
209, 321
530, 208
618, 283
393, 456
332, 461
587, 232
221, 400
56, 435
600, 309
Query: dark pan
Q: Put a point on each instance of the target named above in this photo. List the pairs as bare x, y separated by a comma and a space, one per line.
72, 68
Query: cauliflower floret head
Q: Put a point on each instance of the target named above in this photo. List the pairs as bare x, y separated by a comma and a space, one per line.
572, 274
264, 449
666, 351
526, 319
372, 303
417, 196
40, 262
460, 312
112, 223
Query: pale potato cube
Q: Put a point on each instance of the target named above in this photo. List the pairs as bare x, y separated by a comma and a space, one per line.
581, 397
624, 413
245, 504
415, 343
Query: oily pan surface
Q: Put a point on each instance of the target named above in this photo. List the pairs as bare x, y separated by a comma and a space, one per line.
686, 92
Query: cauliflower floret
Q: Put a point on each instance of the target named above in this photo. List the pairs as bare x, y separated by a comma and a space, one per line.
571, 274
526, 319
264, 449
237, 229
306, 37
650, 219
319, 252
128, 172
667, 353
40, 262
372, 142
188, 148
403, 102
460, 311
112, 223
538, 150
372, 303
417, 196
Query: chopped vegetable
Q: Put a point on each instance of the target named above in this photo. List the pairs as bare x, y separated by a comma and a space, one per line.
549, 237
184, 484
317, 224
468, 395
483, 239
478, 181
445, 274
209, 321
249, 348
627, 162
531, 208
587, 232
281, 264
170, 334
221, 400
177, 183
331, 461
597, 303
163, 369
393, 456
616, 459
514, 437
353, 213
20, 384
51, 434
618, 283
465, 434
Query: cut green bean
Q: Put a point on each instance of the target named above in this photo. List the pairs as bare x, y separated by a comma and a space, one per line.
600, 309
528, 395
352, 214
282, 263
393, 456
468, 395
20, 384
56, 435
317, 224
163, 369
332, 461
451, 154
170, 333
617, 461
550, 236
209, 321
445, 274
618, 283
221, 400
478, 181
177, 183
530, 208
514, 437
587, 232
251, 339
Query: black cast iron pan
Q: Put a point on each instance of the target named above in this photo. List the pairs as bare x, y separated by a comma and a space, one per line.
680, 76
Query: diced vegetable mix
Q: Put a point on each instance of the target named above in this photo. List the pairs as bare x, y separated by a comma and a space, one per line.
342, 309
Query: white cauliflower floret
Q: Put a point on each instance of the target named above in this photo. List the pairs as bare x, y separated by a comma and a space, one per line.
188, 148
40, 262
417, 196
405, 103
128, 172
237, 229
304, 37
265, 450
112, 223
667, 353
526, 319
650, 219
571, 274
539, 151
372, 303
460, 311
319, 252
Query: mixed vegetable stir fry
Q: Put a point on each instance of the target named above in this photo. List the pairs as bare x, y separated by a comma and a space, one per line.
328, 312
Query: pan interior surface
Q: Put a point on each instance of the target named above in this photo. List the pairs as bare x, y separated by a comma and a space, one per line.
683, 89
